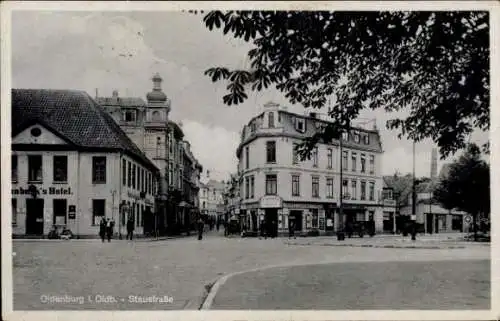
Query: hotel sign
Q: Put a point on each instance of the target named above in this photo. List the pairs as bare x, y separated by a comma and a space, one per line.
43, 191
270, 202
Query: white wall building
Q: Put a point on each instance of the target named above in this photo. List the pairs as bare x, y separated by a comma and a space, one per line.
276, 186
72, 165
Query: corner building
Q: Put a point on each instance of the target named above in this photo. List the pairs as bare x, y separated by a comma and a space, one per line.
72, 165
276, 186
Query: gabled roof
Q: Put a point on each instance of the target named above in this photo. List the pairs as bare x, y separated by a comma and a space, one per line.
75, 116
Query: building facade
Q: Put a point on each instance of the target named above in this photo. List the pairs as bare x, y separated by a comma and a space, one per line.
277, 187
72, 171
191, 187
212, 198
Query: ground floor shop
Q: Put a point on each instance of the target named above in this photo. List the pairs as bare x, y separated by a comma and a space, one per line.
279, 217
433, 218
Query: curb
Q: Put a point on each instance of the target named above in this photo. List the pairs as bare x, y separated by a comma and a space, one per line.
382, 246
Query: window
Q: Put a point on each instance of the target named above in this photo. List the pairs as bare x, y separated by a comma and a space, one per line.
345, 192
156, 116
314, 213
138, 177
363, 190
124, 172
372, 191
271, 152
99, 170
345, 136
356, 137
129, 174
315, 156
149, 183
137, 214
300, 125
60, 168
142, 216
279, 117
372, 164
253, 128
59, 207
170, 143
35, 168
295, 154
252, 186
171, 174
271, 120
271, 184
344, 160
354, 186
142, 179
295, 185
133, 176
329, 187
330, 158
354, 158
98, 211
367, 139
129, 115
315, 186
14, 212
247, 187
363, 163
13, 159
247, 157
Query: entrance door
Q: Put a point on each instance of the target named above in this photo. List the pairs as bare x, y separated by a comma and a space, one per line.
429, 223
297, 218
329, 218
34, 216
272, 221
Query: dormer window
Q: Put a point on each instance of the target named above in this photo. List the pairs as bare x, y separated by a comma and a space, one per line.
356, 137
345, 136
271, 120
129, 115
367, 139
300, 125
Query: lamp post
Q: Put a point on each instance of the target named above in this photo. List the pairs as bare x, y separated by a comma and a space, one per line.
414, 199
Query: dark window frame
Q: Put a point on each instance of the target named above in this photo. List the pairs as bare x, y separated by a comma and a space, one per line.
14, 168
271, 151
33, 177
64, 172
315, 187
271, 184
98, 173
295, 185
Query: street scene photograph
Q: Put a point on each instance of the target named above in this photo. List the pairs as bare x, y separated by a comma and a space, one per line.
272, 159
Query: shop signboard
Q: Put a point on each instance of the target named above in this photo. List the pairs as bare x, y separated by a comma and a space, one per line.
270, 202
72, 212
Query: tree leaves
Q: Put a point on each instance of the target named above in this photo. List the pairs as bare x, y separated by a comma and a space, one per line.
434, 64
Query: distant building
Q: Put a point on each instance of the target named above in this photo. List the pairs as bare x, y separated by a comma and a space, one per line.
277, 187
72, 166
212, 198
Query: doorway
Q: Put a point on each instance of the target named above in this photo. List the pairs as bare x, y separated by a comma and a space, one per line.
429, 222
34, 216
272, 221
297, 217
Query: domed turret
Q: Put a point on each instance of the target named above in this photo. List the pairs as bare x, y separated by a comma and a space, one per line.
157, 94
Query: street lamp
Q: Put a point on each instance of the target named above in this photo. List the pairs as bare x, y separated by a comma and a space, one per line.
414, 199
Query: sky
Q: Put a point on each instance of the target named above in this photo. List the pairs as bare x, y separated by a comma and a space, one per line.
108, 51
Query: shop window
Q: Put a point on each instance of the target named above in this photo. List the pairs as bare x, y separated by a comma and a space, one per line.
98, 210
360, 217
315, 218
271, 184
14, 168
60, 168
99, 170
35, 168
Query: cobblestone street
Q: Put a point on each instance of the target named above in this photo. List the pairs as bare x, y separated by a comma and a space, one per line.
178, 268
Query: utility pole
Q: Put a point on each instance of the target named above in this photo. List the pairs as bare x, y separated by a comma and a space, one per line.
414, 199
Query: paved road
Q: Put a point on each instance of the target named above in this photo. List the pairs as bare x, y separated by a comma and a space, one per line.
437, 285
178, 268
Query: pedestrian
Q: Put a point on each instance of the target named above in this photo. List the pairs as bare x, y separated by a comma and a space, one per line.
291, 229
109, 228
274, 231
263, 229
201, 225
102, 229
130, 228
218, 224
226, 231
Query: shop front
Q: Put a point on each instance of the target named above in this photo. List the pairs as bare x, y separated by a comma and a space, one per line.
269, 206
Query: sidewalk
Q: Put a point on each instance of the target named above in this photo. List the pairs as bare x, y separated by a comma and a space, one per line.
436, 241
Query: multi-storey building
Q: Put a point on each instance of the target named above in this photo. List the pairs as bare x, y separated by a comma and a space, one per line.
191, 184
212, 198
276, 186
72, 166
146, 124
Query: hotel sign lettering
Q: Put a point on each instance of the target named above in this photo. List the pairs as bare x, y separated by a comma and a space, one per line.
43, 191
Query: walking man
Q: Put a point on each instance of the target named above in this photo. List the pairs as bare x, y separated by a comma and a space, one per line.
109, 228
201, 226
291, 229
130, 228
102, 229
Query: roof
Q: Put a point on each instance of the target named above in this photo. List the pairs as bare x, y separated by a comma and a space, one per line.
121, 101
75, 116
178, 133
